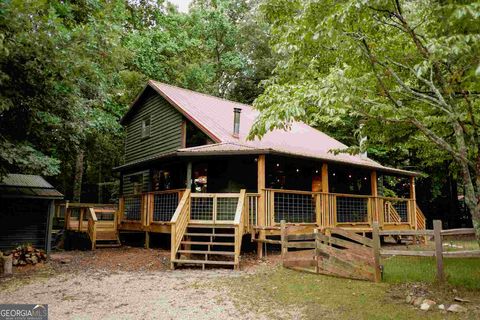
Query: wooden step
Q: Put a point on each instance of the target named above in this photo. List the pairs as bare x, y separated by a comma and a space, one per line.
208, 243
223, 253
106, 235
230, 263
107, 245
214, 226
209, 234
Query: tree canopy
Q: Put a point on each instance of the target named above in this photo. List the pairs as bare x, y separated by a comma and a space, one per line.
404, 73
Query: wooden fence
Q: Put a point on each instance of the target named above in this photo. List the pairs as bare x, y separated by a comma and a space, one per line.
437, 235
334, 251
338, 252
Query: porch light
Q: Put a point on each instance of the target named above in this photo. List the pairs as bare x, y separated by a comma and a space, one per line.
298, 170
349, 175
316, 171
333, 174
278, 164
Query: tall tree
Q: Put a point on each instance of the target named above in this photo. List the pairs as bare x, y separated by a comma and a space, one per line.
59, 65
410, 68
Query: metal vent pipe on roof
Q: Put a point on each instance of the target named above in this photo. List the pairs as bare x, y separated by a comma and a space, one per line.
236, 122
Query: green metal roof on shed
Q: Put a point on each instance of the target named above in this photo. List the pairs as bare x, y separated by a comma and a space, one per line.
27, 186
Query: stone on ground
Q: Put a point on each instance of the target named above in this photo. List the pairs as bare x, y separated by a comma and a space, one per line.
456, 308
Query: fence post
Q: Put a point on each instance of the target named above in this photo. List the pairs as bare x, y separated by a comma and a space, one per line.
317, 250
376, 251
283, 238
437, 233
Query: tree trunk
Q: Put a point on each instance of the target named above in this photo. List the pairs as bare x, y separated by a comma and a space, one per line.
77, 182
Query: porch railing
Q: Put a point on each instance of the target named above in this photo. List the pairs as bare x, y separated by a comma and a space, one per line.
152, 207
333, 209
252, 208
213, 207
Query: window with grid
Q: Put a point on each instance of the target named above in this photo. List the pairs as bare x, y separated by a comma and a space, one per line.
352, 209
133, 208
201, 208
164, 206
401, 207
294, 208
226, 208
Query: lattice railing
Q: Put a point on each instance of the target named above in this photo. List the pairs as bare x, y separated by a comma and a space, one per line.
132, 208
252, 208
294, 207
213, 206
164, 205
352, 209
396, 210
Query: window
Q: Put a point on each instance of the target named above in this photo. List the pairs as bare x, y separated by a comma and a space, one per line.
146, 128
137, 183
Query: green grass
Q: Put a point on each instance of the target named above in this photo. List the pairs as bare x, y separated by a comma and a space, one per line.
280, 293
464, 273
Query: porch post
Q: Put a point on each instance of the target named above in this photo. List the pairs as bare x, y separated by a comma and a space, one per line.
374, 187
325, 198
325, 178
189, 175
261, 202
413, 203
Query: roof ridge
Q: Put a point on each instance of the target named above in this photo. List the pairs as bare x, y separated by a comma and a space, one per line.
202, 93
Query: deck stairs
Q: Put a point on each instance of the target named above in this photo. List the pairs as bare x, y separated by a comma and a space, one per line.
107, 239
207, 244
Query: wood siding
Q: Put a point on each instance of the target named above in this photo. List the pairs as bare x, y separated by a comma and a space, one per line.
165, 129
127, 185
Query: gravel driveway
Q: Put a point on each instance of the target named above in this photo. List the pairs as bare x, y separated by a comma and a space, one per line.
181, 294
128, 283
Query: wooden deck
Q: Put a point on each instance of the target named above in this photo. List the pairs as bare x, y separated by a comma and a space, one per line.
203, 224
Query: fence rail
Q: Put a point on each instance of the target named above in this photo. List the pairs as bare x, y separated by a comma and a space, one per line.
437, 233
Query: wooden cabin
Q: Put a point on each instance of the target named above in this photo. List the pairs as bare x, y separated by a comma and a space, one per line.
190, 171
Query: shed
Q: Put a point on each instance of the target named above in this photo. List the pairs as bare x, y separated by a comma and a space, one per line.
26, 211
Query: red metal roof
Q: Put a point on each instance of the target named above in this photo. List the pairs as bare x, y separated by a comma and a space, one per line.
215, 117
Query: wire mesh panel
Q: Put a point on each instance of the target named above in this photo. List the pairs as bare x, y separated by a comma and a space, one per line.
201, 208
350, 209
402, 209
105, 216
133, 208
294, 207
164, 206
226, 208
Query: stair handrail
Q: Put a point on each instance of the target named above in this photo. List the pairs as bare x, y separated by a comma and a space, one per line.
392, 213
239, 223
92, 226
421, 220
178, 224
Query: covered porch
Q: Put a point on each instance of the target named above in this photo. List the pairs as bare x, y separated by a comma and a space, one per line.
301, 191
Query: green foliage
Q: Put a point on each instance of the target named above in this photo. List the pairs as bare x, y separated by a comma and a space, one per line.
403, 73
70, 69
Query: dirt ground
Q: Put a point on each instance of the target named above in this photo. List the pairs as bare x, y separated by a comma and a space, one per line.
136, 283
127, 283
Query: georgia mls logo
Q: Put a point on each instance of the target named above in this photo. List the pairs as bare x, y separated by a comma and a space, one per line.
23, 312
39, 311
